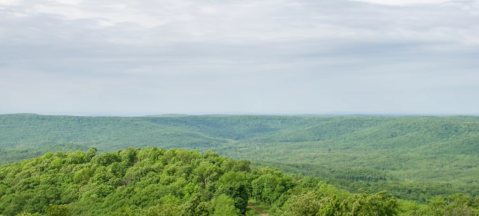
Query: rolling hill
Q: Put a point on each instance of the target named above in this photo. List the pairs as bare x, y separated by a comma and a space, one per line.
443, 150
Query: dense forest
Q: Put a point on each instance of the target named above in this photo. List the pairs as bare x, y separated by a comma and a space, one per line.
414, 158
153, 181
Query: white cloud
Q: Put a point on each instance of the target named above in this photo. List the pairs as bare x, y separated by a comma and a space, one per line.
253, 21
69, 2
9, 2
237, 56
405, 2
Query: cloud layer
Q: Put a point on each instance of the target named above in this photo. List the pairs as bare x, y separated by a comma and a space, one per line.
148, 57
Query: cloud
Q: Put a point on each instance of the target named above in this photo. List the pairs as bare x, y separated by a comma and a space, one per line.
405, 2
84, 56
180, 21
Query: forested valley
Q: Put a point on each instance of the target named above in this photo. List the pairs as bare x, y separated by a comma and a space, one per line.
427, 165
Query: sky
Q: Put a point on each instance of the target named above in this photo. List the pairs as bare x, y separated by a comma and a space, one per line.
144, 57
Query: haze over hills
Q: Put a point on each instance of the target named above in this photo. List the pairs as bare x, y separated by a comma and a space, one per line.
443, 150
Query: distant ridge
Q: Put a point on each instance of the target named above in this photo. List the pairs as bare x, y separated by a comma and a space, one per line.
168, 115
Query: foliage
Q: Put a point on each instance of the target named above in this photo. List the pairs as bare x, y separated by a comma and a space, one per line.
18, 154
416, 157
152, 181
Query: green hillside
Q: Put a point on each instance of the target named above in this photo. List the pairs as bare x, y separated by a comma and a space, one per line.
108, 133
14, 155
350, 151
152, 181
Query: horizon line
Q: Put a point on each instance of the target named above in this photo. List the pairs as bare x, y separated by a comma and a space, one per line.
73, 114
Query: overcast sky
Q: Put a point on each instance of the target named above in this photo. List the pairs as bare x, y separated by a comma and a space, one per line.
144, 57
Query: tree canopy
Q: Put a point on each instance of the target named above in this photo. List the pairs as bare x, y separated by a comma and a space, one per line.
153, 181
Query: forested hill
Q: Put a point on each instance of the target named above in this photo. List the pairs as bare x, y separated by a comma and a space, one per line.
154, 181
431, 155
429, 135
